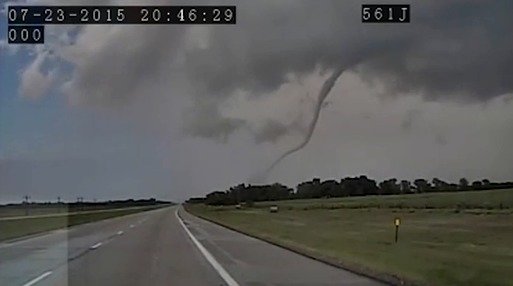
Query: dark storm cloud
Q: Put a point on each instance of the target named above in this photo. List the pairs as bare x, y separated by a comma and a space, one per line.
111, 64
409, 119
271, 131
462, 51
441, 139
451, 50
205, 120
271, 40
219, 80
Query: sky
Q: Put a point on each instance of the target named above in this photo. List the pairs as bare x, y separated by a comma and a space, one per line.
174, 111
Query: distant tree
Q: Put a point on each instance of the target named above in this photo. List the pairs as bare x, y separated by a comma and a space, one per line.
422, 185
477, 185
217, 198
405, 187
369, 186
358, 186
278, 192
390, 187
239, 194
196, 200
330, 188
463, 184
439, 185
452, 187
350, 186
309, 190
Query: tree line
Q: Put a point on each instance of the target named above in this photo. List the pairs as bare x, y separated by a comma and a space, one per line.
350, 186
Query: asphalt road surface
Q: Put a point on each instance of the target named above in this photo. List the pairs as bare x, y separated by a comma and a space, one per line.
159, 248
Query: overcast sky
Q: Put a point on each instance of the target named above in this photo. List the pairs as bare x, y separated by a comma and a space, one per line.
170, 111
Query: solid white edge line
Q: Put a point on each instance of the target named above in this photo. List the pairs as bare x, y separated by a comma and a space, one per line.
37, 279
96, 245
210, 258
120, 232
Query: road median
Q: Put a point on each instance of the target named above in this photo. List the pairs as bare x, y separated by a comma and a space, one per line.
16, 228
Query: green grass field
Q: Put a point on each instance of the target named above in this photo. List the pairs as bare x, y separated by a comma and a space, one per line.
456, 239
36, 210
493, 199
15, 228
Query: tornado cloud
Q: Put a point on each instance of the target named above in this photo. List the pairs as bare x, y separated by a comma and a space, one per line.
325, 90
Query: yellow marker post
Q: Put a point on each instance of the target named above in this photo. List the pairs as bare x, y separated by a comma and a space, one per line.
397, 222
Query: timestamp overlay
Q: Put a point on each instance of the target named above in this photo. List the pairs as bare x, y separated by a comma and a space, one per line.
26, 23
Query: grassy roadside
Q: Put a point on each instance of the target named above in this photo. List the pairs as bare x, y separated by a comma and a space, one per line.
21, 211
67, 213
491, 200
441, 245
11, 229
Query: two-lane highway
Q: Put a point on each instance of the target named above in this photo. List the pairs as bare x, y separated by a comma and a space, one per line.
159, 248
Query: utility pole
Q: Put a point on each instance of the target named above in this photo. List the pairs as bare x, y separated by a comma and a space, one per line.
26, 199
59, 207
80, 200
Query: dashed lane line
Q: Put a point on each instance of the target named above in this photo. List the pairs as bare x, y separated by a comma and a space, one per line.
38, 278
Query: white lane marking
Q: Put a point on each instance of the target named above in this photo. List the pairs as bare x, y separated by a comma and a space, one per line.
37, 279
120, 232
132, 226
96, 245
222, 272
